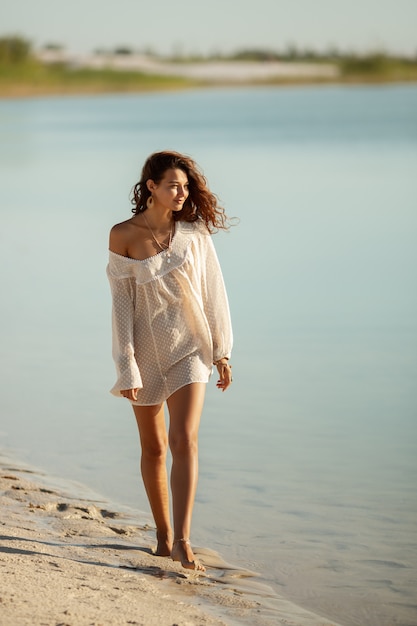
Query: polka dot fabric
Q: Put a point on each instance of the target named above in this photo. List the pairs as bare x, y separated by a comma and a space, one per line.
170, 316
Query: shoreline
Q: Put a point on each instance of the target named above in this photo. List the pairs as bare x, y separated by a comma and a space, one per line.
73, 559
22, 91
25, 93
55, 72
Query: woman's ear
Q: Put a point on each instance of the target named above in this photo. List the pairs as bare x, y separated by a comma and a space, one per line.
150, 184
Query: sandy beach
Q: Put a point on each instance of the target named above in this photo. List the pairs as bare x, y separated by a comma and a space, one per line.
71, 561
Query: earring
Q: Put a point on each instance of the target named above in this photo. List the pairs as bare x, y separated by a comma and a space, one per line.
149, 202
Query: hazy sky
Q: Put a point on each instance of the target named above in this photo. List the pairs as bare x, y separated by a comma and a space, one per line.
214, 25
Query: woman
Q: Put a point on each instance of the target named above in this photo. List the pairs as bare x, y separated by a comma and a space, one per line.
171, 323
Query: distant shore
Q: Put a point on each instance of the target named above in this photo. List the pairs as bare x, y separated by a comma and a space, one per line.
139, 74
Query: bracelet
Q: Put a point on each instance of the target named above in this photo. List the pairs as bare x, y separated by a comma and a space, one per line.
221, 361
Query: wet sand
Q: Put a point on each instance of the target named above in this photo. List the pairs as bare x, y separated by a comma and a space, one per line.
75, 561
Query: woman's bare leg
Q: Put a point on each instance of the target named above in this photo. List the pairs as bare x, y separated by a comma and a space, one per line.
154, 443
185, 407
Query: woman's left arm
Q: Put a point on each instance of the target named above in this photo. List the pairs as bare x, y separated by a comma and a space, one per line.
217, 310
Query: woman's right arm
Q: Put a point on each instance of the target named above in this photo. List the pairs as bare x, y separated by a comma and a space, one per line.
123, 302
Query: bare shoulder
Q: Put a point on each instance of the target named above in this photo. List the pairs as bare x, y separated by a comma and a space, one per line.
121, 235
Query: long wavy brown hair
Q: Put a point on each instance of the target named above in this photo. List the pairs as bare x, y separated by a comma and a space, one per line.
201, 202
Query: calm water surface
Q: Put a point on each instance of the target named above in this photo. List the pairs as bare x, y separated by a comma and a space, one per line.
308, 465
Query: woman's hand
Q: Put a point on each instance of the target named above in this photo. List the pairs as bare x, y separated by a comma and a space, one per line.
130, 394
225, 374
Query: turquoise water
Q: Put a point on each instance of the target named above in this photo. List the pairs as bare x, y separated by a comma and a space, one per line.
308, 464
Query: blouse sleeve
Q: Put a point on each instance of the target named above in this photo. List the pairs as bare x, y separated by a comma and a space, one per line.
123, 295
215, 302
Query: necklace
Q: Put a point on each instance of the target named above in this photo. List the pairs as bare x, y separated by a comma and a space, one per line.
164, 247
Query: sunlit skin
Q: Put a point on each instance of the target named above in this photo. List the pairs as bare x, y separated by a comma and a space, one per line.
133, 239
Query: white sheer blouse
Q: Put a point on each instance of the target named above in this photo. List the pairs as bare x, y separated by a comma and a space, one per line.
170, 317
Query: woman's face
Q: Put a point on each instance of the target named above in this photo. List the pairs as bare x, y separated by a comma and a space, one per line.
172, 191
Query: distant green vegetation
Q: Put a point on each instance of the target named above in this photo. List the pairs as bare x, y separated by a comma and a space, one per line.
14, 51
22, 74
38, 79
378, 67
372, 67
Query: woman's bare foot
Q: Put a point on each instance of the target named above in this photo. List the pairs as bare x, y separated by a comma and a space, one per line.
164, 545
182, 551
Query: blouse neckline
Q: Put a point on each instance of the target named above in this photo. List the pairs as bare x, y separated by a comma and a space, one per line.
149, 259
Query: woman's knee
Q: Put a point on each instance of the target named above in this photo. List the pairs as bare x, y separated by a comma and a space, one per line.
183, 444
155, 449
